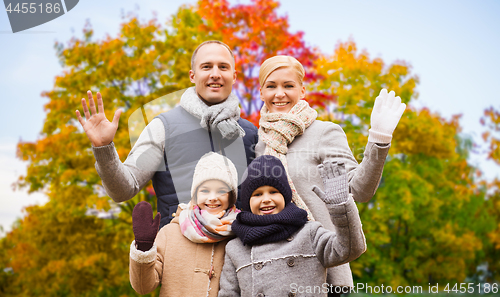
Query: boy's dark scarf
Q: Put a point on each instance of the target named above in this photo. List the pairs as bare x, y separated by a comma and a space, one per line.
256, 229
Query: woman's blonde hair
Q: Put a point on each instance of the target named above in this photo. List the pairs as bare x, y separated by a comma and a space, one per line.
276, 62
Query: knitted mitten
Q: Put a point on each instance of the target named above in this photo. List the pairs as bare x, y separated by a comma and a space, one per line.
145, 228
335, 181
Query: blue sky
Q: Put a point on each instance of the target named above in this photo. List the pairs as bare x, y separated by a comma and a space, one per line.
453, 46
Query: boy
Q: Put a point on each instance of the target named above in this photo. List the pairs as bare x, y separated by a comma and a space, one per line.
278, 251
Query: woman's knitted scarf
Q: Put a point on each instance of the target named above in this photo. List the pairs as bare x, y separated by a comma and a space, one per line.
256, 229
223, 116
200, 226
278, 130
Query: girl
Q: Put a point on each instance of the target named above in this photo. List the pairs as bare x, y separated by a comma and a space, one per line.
279, 252
187, 255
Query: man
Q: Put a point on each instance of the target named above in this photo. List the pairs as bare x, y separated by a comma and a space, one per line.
172, 143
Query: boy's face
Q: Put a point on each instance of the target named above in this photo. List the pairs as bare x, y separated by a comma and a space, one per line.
213, 196
213, 73
266, 200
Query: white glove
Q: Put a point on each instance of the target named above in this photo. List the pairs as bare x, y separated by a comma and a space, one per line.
386, 113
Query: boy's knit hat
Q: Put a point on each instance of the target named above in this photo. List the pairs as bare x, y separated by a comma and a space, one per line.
265, 170
215, 166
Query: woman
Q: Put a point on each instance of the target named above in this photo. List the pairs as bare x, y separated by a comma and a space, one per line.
289, 130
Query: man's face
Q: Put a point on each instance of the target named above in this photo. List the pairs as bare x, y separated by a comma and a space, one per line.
213, 73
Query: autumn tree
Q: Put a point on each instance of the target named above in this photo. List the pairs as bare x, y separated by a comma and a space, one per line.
491, 136
428, 222
59, 249
57, 253
352, 80
255, 32
428, 218
491, 121
491, 242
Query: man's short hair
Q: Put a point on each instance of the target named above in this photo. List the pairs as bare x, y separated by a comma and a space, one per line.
208, 42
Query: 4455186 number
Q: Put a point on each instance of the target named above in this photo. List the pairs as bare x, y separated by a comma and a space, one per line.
485, 288
33, 8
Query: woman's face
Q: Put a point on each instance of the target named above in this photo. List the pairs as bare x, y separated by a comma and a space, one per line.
213, 196
282, 90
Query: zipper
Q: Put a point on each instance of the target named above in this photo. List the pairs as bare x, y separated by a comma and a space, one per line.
212, 142
210, 136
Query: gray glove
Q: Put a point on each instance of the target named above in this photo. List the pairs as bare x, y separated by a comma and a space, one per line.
335, 181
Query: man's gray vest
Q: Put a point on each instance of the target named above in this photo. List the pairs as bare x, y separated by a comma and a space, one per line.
185, 143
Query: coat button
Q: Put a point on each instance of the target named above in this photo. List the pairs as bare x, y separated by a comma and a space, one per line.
292, 294
258, 266
260, 295
290, 262
290, 238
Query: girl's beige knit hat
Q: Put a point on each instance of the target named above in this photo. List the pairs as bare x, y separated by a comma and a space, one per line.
215, 166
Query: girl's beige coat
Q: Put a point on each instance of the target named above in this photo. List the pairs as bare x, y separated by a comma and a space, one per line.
181, 266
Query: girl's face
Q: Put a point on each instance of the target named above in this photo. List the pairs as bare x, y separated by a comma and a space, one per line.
266, 200
213, 196
282, 90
